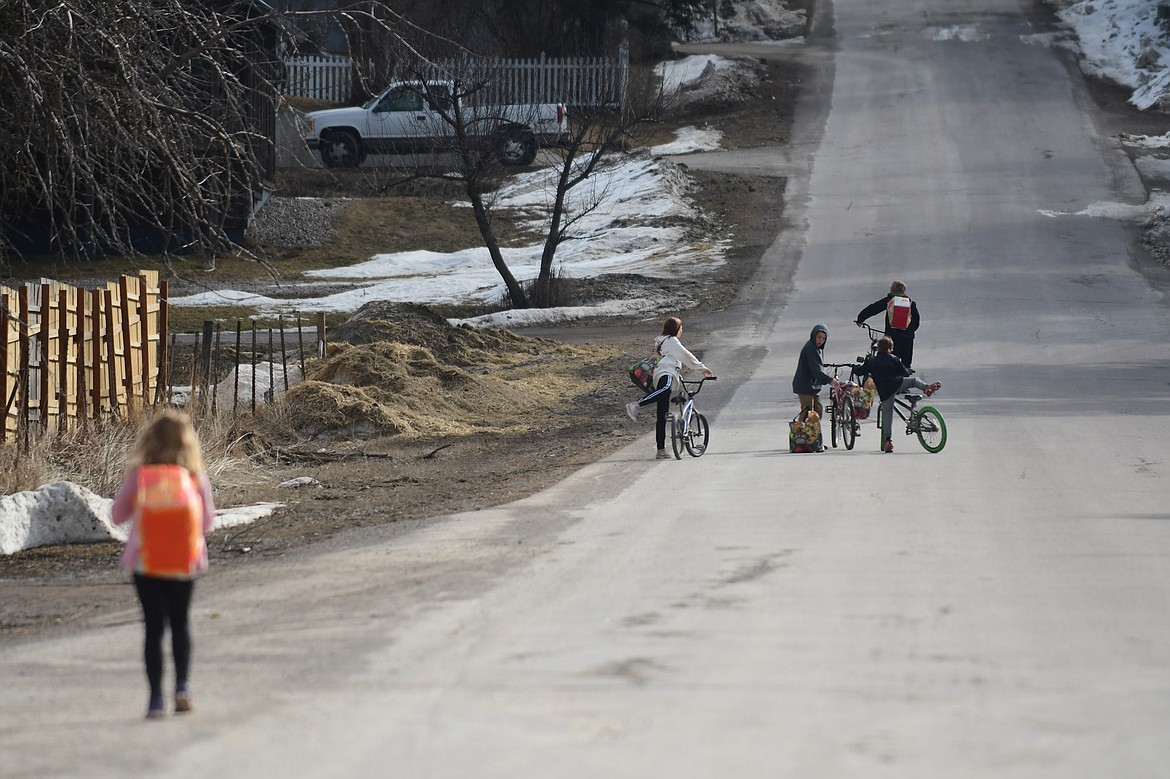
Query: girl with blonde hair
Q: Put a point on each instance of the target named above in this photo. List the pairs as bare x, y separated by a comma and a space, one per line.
167, 496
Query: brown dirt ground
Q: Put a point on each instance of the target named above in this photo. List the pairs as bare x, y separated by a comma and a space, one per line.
415, 419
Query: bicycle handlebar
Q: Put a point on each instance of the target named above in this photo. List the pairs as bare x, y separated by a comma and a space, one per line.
693, 386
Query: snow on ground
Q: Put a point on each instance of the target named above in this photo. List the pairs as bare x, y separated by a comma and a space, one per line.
66, 513
688, 140
1123, 40
638, 226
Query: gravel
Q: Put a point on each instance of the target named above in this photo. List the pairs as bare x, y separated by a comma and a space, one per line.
298, 221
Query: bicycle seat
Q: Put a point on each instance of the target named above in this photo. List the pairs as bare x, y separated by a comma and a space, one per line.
913, 397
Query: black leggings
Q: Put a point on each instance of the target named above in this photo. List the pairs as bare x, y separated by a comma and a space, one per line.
165, 601
662, 396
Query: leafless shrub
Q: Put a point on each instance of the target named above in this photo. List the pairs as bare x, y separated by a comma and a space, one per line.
125, 118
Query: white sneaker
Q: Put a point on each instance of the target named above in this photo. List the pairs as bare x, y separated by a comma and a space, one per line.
662, 455
632, 410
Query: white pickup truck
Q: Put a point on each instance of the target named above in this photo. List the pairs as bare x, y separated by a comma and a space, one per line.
414, 117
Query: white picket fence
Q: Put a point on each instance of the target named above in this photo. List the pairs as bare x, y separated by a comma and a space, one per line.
570, 80
321, 78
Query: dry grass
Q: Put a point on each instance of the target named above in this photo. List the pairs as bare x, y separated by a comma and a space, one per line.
97, 456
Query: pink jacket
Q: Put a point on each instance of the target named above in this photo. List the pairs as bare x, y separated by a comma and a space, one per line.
123, 510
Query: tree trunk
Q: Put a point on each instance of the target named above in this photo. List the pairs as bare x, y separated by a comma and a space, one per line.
544, 281
519, 299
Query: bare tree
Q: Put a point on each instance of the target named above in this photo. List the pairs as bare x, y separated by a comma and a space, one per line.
595, 131
131, 117
474, 133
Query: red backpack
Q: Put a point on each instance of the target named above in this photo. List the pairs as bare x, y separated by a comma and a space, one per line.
898, 312
169, 523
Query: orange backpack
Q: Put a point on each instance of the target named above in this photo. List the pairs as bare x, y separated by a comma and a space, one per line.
170, 522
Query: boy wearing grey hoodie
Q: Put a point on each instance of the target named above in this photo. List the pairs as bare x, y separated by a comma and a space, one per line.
810, 373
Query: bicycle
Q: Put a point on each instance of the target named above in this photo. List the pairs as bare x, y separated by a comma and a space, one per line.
842, 415
689, 429
926, 423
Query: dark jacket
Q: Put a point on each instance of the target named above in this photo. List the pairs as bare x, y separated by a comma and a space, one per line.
903, 339
887, 372
810, 372
879, 307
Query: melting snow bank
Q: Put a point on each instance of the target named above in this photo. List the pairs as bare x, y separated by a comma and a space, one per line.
634, 215
57, 513
537, 316
67, 513
1123, 40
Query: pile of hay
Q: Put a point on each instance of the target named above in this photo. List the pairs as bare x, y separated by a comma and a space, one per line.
403, 370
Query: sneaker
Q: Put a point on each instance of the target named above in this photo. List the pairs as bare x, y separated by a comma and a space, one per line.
632, 410
184, 702
889, 446
933, 388
157, 709
662, 455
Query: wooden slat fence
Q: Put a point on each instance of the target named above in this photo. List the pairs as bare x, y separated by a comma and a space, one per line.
575, 81
72, 355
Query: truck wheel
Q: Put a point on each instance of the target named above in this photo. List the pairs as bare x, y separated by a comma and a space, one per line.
516, 148
341, 150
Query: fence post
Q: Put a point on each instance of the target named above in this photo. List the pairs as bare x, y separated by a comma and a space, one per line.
253, 366
321, 335
111, 350
96, 352
301, 346
205, 358
63, 348
283, 354
24, 365
44, 330
236, 385
127, 343
164, 324
6, 330
214, 393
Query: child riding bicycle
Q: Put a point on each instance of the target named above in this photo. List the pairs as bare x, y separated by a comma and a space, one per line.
891, 378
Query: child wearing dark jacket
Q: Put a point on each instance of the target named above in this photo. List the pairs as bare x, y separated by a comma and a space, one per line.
891, 377
810, 374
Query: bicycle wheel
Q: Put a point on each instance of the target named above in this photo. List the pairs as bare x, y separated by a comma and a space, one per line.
931, 429
834, 421
697, 435
848, 424
676, 436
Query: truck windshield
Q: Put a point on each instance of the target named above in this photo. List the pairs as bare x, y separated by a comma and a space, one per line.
400, 98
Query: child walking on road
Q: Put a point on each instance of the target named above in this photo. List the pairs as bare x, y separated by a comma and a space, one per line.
166, 495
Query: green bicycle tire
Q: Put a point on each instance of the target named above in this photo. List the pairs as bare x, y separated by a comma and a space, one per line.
931, 429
